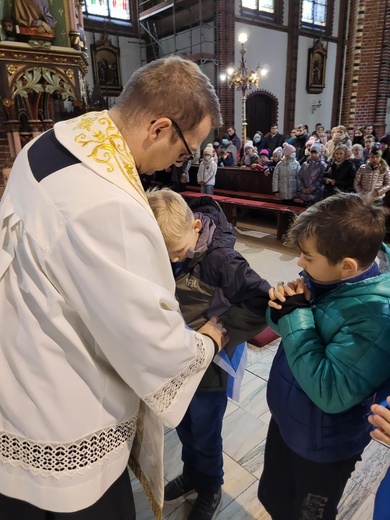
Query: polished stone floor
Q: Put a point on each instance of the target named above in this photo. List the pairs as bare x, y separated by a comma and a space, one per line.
245, 423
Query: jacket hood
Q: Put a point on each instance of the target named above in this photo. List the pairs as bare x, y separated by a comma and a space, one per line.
216, 232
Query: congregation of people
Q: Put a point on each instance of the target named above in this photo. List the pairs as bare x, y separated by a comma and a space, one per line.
305, 167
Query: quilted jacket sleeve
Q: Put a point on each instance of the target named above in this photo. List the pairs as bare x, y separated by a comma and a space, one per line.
342, 373
247, 292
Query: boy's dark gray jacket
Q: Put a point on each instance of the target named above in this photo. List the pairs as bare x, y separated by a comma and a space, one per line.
218, 281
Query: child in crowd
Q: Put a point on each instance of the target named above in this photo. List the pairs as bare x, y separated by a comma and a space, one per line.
225, 158
343, 136
339, 136
310, 177
284, 179
322, 135
312, 139
341, 172
262, 165
373, 178
249, 156
258, 141
385, 144
293, 135
358, 136
227, 151
207, 171
334, 355
369, 142
211, 279
357, 155
277, 155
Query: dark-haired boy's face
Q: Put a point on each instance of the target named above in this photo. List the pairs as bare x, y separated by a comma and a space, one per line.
317, 265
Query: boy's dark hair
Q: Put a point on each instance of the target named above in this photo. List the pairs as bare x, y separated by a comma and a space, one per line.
343, 225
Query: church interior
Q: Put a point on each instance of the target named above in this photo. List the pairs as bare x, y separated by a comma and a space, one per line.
300, 63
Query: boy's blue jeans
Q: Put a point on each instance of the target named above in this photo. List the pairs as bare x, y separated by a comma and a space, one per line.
200, 432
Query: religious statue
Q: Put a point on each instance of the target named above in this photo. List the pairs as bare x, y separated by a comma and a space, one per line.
34, 14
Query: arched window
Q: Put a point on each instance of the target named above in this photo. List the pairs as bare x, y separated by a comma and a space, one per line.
314, 12
119, 9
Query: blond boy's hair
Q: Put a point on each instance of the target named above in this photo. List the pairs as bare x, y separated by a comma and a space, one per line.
357, 146
172, 213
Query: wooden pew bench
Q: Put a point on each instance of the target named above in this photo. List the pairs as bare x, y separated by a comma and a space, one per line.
263, 197
232, 205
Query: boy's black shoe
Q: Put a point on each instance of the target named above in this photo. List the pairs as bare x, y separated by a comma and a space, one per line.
206, 506
179, 487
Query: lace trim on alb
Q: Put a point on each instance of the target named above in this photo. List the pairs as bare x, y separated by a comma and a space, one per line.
162, 400
46, 458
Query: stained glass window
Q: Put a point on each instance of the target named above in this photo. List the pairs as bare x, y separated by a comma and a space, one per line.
109, 8
260, 5
314, 12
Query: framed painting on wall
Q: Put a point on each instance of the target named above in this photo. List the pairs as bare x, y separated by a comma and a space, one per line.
106, 67
316, 68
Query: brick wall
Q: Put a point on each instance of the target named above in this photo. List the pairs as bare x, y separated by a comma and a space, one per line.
367, 72
292, 60
226, 42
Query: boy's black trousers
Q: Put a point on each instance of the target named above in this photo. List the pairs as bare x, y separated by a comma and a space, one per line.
294, 488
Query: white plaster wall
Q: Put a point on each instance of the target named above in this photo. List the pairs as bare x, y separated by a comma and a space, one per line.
266, 48
304, 101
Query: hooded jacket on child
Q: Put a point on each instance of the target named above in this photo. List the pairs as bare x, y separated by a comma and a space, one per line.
218, 281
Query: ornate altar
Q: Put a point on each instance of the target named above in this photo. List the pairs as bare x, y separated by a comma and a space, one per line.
41, 82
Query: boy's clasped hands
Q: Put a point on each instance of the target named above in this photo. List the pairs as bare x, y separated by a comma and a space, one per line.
282, 290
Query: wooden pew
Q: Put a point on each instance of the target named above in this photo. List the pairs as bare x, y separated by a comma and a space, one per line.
231, 207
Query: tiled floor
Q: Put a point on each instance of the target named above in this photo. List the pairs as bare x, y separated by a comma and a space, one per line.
245, 424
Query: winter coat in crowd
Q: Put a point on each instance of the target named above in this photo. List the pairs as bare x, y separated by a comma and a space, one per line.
284, 178
309, 181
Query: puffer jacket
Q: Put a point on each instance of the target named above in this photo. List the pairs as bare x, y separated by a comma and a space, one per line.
334, 357
218, 281
310, 176
343, 174
284, 178
368, 179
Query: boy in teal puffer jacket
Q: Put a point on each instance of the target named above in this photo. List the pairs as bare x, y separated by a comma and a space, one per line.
335, 353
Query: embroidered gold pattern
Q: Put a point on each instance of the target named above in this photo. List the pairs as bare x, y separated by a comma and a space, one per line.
135, 467
108, 147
